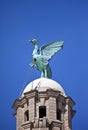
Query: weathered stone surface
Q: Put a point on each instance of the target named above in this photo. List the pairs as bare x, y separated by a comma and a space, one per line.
52, 101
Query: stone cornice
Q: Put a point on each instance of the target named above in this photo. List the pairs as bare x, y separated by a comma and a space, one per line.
56, 123
27, 124
52, 93
19, 103
44, 94
30, 94
70, 101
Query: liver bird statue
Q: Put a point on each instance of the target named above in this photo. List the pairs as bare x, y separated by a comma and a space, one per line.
41, 60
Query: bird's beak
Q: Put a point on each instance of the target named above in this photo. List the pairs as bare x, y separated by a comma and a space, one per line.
33, 41
29, 41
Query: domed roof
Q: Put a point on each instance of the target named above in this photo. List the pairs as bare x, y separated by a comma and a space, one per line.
42, 84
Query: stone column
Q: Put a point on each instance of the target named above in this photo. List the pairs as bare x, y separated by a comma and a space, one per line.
44, 122
52, 108
36, 124
67, 116
32, 109
19, 118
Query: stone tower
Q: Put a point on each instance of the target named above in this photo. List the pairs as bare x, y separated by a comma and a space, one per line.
44, 105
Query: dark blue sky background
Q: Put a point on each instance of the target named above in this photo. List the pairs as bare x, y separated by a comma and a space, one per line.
46, 20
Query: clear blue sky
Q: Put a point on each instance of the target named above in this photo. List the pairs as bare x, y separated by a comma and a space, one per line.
46, 20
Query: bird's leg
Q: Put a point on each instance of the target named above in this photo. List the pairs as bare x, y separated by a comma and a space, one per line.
45, 73
42, 74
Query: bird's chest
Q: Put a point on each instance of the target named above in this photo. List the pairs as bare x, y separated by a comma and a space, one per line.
35, 56
38, 63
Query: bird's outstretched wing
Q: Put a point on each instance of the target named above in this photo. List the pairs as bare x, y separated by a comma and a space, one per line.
50, 49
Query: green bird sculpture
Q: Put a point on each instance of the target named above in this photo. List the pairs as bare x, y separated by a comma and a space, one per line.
41, 60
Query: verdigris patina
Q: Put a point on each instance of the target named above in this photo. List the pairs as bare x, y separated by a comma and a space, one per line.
41, 60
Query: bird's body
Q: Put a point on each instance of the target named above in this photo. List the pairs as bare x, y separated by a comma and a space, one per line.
40, 61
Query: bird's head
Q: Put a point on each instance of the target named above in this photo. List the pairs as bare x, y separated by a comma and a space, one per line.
34, 41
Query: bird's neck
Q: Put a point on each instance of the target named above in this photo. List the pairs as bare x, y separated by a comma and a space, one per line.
35, 51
